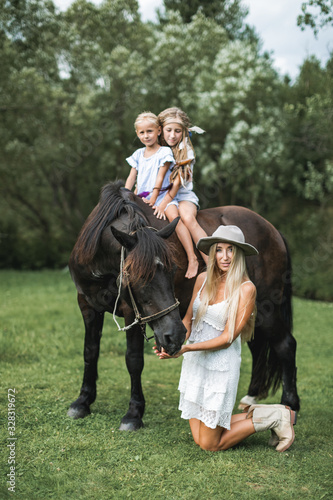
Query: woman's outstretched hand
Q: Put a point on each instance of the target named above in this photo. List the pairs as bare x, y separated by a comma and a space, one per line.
164, 355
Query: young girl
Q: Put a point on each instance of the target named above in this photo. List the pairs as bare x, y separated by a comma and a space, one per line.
175, 133
222, 310
151, 168
151, 163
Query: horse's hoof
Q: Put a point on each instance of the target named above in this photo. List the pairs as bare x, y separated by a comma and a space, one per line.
293, 403
131, 426
79, 412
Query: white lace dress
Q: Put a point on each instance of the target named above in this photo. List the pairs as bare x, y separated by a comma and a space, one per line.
209, 379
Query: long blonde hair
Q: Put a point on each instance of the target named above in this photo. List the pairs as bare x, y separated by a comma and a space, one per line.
236, 275
176, 115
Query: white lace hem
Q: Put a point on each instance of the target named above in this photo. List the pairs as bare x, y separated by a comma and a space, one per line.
211, 418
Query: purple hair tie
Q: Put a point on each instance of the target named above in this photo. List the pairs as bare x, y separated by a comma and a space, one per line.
144, 194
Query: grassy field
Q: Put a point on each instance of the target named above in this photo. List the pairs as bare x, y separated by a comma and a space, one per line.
41, 344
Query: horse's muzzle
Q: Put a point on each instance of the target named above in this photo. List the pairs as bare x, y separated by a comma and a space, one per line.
171, 342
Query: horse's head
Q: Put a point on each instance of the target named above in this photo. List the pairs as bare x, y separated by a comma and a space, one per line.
148, 283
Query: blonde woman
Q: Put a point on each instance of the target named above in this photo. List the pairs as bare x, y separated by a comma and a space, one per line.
221, 312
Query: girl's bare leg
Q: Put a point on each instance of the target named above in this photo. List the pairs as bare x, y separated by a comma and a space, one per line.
186, 240
188, 213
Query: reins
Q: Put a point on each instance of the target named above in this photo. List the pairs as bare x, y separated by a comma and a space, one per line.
138, 318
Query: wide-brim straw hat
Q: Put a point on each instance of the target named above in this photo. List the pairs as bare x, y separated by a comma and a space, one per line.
227, 234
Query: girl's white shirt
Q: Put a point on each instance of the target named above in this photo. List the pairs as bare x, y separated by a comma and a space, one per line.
148, 169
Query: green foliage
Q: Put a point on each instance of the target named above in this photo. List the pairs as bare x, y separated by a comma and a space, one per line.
310, 142
41, 342
311, 17
310, 239
73, 82
230, 14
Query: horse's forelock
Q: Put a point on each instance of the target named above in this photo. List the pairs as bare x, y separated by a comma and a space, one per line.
150, 250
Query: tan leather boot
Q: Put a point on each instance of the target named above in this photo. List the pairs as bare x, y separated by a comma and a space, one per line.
246, 402
277, 417
273, 440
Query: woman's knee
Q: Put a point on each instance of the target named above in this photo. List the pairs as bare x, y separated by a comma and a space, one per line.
209, 447
208, 444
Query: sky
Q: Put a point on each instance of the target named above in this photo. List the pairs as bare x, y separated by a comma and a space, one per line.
276, 23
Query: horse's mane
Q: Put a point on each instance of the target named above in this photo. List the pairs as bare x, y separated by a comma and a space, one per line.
150, 249
115, 201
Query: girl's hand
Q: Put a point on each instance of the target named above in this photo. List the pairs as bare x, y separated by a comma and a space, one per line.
146, 200
159, 213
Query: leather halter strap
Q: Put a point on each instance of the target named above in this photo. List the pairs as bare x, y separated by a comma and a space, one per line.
138, 318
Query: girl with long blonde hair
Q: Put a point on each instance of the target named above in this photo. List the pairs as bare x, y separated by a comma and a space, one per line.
221, 312
176, 131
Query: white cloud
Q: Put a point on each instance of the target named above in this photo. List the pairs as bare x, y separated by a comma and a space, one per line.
276, 23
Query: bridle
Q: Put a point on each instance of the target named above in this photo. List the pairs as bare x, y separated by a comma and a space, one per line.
138, 318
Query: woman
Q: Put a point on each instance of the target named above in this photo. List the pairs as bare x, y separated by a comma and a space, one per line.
220, 313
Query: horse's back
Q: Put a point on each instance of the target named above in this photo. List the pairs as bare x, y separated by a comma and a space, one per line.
271, 266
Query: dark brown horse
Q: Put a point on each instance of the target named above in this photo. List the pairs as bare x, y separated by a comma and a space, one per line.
140, 281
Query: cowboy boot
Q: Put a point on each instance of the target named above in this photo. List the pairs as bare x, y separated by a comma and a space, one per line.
276, 417
246, 402
273, 440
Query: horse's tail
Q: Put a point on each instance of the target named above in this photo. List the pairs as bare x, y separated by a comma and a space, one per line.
267, 373
110, 204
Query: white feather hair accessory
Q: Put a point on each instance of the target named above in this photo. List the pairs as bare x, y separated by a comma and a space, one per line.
197, 130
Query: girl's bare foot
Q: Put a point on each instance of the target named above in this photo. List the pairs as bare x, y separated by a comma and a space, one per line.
192, 268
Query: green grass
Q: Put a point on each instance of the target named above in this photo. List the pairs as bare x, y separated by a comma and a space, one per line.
41, 344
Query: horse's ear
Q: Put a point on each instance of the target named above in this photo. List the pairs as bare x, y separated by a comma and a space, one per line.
126, 240
169, 229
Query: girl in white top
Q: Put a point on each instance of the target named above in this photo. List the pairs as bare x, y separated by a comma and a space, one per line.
151, 168
175, 133
220, 313
151, 165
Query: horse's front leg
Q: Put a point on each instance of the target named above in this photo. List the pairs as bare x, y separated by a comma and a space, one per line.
132, 421
93, 321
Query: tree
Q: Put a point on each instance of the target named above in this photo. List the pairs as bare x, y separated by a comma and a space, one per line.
310, 144
55, 128
316, 20
229, 14
72, 84
239, 106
